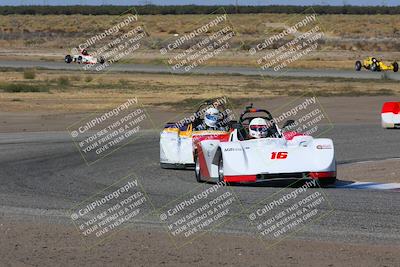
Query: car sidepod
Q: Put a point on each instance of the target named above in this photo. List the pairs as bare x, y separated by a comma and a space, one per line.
176, 148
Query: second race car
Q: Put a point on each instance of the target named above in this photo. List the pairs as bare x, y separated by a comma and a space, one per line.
211, 120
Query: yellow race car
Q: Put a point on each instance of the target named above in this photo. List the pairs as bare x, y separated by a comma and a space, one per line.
373, 64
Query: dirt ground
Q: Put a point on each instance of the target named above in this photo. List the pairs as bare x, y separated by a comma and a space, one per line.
377, 171
60, 245
356, 110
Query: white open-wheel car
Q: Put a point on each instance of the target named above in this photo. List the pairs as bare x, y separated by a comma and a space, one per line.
178, 139
83, 58
281, 155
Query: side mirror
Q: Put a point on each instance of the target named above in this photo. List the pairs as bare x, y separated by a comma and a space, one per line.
289, 123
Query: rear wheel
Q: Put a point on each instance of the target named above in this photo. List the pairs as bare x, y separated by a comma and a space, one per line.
102, 60
79, 60
68, 59
395, 67
358, 65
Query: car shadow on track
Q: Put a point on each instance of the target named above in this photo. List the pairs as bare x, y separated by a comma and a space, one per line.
294, 184
290, 183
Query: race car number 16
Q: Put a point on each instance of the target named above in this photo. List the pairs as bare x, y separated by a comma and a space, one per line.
279, 155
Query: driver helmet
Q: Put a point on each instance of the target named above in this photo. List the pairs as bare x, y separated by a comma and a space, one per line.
211, 117
258, 128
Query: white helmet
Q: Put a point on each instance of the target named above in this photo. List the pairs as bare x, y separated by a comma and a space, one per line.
211, 117
258, 128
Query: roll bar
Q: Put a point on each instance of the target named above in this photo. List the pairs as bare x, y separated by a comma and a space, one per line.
250, 109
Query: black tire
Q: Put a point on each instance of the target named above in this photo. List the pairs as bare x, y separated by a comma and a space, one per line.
327, 182
395, 67
220, 168
374, 67
101, 60
165, 166
358, 65
68, 59
79, 60
197, 171
172, 166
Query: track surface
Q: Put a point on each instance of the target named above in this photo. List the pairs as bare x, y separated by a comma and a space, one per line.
210, 70
43, 175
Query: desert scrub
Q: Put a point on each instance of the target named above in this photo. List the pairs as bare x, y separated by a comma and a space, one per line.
23, 88
29, 74
63, 81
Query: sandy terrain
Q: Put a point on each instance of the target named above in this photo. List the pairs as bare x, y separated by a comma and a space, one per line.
377, 171
347, 110
36, 243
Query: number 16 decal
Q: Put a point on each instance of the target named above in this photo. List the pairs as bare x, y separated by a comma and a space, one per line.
279, 155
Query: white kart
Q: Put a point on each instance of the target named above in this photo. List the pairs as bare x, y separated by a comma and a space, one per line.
83, 58
282, 155
390, 115
178, 139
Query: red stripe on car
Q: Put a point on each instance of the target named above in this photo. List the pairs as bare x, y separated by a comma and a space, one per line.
239, 178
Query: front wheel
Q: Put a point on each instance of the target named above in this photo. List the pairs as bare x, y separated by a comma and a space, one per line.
197, 170
79, 60
395, 67
221, 169
358, 65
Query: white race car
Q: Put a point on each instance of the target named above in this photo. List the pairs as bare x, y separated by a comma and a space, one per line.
282, 155
178, 139
390, 115
84, 58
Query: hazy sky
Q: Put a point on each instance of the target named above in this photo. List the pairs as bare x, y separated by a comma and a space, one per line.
200, 2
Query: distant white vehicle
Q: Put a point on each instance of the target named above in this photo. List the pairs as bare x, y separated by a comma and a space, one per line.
84, 58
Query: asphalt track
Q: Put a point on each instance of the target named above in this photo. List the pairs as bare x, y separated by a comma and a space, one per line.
42, 174
147, 68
